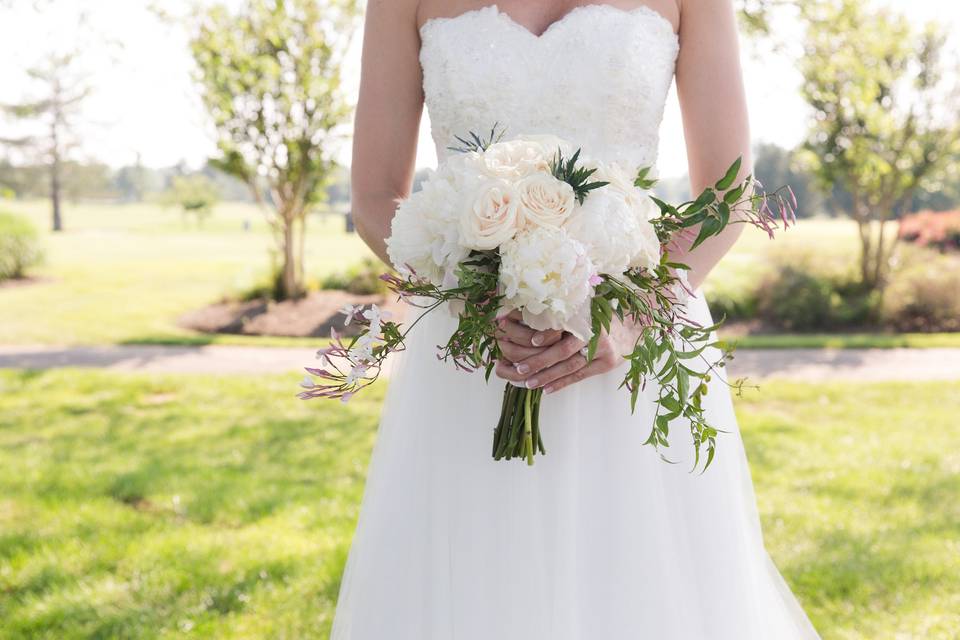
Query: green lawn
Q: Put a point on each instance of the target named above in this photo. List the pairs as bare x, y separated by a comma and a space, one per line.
135, 506
125, 273
848, 341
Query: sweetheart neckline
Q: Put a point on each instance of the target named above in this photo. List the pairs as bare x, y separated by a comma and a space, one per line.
642, 9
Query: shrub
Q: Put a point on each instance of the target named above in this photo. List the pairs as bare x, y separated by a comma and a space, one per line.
360, 279
925, 297
796, 300
939, 230
732, 304
19, 246
798, 296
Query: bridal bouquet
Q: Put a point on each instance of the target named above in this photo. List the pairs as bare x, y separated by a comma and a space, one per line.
532, 225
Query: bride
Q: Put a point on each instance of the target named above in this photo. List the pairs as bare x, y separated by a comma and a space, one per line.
601, 539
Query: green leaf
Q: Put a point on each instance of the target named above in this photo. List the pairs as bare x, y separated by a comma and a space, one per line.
708, 197
724, 210
727, 181
709, 228
683, 385
734, 195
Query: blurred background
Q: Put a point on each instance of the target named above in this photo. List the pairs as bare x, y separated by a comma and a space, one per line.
175, 242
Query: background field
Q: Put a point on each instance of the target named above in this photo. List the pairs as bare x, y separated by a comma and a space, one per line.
125, 273
136, 506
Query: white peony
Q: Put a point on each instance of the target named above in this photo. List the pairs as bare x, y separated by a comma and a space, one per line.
425, 233
492, 216
545, 201
614, 225
620, 181
647, 251
547, 273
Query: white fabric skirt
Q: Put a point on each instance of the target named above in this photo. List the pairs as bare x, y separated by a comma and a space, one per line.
599, 540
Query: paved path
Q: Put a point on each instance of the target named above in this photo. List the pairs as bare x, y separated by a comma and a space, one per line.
865, 365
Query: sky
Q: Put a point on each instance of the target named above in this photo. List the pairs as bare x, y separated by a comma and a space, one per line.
144, 102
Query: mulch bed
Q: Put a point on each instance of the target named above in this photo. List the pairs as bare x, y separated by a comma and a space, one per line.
311, 316
13, 283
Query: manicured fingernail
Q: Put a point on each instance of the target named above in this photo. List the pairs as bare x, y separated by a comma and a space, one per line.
537, 339
549, 390
523, 369
532, 383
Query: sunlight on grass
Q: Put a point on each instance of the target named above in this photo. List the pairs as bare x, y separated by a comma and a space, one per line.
127, 272
144, 506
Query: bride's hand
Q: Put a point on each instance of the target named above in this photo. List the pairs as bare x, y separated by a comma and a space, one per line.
553, 360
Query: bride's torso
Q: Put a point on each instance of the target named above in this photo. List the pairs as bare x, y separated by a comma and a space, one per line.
598, 76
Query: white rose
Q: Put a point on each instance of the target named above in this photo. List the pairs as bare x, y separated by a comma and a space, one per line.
550, 145
513, 159
425, 234
545, 201
492, 217
546, 273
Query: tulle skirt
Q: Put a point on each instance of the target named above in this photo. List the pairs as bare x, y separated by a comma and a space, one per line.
600, 540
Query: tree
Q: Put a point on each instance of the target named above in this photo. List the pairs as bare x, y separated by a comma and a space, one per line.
884, 127
776, 166
63, 93
195, 195
270, 76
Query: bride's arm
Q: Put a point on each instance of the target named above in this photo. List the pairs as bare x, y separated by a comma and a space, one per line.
715, 122
387, 118
710, 86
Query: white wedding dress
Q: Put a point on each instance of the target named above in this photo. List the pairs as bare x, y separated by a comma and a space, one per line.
601, 539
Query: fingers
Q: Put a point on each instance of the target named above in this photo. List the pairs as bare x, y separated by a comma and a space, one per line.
561, 370
515, 352
567, 347
595, 368
518, 333
506, 370
525, 371
515, 332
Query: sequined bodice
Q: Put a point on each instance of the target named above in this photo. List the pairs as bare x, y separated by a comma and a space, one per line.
598, 77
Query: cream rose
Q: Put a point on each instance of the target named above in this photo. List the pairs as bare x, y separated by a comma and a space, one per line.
493, 218
545, 201
513, 159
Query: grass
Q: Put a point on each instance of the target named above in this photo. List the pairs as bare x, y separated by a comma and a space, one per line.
125, 273
136, 506
143, 507
849, 341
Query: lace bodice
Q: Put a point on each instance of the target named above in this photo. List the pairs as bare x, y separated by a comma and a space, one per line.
598, 77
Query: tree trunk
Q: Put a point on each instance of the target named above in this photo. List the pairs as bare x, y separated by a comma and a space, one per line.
55, 184
863, 227
288, 274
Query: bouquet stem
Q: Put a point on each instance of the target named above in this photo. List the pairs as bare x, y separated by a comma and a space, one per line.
518, 432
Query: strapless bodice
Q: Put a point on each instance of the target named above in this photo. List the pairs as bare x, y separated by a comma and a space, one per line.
598, 77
